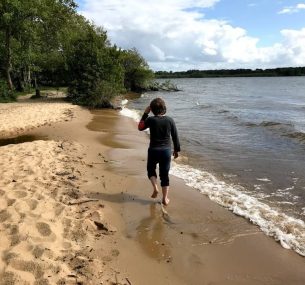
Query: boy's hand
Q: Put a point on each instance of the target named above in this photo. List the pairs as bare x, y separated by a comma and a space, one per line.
175, 154
147, 110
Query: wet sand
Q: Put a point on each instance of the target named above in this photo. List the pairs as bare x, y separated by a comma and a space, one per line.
109, 230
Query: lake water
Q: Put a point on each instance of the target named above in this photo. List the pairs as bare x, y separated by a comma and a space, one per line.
243, 145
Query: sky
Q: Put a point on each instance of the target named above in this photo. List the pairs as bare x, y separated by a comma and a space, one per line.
181, 35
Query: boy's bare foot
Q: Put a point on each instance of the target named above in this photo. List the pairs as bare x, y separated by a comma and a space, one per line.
154, 194
165, 201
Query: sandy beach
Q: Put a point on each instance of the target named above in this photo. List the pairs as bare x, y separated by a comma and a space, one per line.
49, 227
75, 209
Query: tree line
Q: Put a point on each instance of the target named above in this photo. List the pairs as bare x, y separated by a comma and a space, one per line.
284, 71
47, 43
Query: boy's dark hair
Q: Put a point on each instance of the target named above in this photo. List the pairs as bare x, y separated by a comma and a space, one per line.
158, 107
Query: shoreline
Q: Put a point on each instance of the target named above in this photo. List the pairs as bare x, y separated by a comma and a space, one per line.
198, 242
205, 234
232, 194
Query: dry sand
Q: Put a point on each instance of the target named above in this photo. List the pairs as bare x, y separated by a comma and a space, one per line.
18, 118
49, 227
75, 209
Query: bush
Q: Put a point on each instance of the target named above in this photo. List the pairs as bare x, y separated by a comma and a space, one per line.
6, 95
95, 70
98, 97
137, 74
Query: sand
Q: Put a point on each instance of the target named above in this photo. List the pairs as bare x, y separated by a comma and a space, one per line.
75, 208
49, 227
18, 118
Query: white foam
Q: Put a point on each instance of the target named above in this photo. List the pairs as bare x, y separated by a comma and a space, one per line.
135, 115
290, 232
295, 180
263, 179
257, 186
124, 102
286, 189
286, 203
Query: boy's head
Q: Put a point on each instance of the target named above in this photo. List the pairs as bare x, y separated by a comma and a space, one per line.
158, 107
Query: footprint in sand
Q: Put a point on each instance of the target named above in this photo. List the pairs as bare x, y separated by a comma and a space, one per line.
38, 251
44, 229
4, 215
58, 209
15, 239
10, 202
20, 194
66, 245
32, 204
28, 266
11, 278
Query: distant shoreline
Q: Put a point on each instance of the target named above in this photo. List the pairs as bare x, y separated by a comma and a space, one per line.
275, 72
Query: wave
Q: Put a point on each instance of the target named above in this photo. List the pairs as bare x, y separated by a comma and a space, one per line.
133, 114
250, 124
290, 232
228, 115
300, 136
283, 129
268, 124
203, 105
124, 102
223, 111
271, 124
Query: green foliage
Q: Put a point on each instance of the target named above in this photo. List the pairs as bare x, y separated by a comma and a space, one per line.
96, 75
30, 30
2, 53
6, 95
137, 75
47, 43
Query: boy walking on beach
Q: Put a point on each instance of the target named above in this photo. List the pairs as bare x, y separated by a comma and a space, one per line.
162, 129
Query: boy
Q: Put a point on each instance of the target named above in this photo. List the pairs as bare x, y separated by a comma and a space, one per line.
162, 128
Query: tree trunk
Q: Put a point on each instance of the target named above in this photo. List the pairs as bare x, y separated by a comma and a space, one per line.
8, 66
29, 77
37, 91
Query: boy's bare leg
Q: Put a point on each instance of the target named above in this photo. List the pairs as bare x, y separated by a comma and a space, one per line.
165, 200
153, 181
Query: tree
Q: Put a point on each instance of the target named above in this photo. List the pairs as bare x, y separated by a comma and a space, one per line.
47, 42
137, 74
95, 70
29, 29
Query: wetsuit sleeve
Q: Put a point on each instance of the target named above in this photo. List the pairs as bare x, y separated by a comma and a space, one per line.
142, 124
175, 138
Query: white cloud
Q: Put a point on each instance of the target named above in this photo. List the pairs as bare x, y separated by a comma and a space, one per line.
294, 46
292, 9
173, 35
